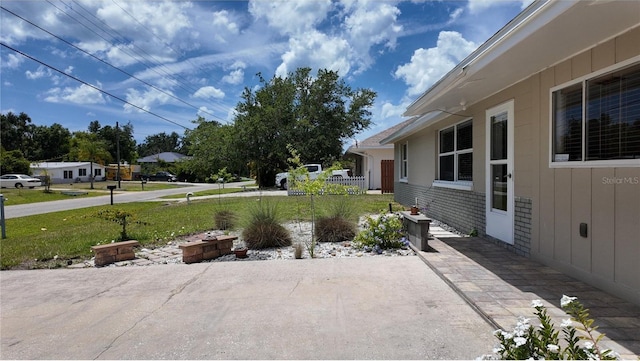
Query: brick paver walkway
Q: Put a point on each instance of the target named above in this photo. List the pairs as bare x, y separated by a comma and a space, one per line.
500, 285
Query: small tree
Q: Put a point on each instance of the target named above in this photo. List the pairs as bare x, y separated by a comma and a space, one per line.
121, 217
299, 179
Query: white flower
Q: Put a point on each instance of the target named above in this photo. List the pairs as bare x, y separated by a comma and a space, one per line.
566, 300
566, 322
553, 348
507, 335
536, 303
588, 345
519, 341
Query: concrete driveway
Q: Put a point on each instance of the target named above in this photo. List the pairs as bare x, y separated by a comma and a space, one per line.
356, 308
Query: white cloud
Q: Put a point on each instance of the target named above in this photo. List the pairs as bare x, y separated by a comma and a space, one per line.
291, 17
316, 50
204, 112
144, 100
165, 19
41, 72
83, 94
369, 24
476, 6
222, 21
209, 92
69, 69
235, 77
12, 61
428, 65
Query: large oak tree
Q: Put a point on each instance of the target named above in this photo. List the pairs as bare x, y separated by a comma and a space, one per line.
315, 115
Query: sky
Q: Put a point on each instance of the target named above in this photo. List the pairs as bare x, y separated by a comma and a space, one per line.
161, 64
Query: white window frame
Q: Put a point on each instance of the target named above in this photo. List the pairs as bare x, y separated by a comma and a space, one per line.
82, 172
67, 174
404, 162
587, 163
455, 184
97, 172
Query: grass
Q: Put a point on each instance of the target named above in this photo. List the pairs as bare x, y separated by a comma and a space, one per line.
125, 186
26, 196
210, 192
49, 240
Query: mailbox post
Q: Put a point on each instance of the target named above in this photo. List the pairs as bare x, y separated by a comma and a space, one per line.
111, 188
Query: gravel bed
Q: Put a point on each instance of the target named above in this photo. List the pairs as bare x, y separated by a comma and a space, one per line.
300, 233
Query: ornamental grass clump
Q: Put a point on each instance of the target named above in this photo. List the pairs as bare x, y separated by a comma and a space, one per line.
338, 224
382, 232
263, 228
543, 342
225, 219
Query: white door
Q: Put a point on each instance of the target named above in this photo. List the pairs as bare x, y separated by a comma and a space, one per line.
499, 172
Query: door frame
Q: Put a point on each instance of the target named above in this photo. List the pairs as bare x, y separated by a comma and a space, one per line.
499, 223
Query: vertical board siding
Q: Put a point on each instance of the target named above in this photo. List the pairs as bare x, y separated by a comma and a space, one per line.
627, 227
562, 229
602, 228
581, 213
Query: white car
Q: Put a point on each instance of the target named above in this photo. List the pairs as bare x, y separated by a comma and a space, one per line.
19, 181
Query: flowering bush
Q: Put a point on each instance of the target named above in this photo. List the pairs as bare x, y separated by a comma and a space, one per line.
542, 342
382, 232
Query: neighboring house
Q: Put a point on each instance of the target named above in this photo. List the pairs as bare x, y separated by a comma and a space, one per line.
371, 157
68, 172
169, 157
533, 141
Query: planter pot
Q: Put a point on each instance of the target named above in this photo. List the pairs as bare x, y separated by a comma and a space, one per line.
240, 253
414, 211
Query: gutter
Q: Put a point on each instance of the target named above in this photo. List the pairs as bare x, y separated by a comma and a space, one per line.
537, 14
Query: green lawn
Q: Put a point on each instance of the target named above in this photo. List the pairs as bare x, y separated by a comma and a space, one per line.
124, 186
211, 192
35, 241
25, 196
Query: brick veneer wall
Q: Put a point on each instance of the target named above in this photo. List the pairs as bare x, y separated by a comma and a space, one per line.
465, 211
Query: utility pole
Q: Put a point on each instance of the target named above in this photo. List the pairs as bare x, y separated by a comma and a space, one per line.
118, 152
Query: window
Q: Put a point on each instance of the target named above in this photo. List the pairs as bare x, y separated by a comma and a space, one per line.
97, 172
82, 172
455, 158
404, 163
68, 174
598, 119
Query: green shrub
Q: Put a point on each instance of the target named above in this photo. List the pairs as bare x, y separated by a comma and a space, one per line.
543, 343
263, 229
382, 232
225, 219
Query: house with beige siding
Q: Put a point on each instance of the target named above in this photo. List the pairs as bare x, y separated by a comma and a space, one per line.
533, 141
371, 157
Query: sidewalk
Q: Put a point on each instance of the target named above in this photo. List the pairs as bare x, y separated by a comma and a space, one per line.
500, 285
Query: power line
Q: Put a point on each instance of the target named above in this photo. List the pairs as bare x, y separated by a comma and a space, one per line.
123, 49
91, 85
105, 62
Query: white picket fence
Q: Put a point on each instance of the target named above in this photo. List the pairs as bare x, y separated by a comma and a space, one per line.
356, 185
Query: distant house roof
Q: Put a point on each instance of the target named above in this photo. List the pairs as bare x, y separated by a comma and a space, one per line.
169, 157
374, 141
54, 165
